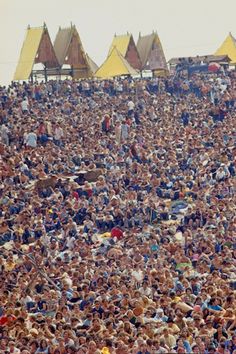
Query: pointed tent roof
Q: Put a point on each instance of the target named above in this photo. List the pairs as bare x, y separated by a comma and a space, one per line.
93, 66
69, 50
228, 47
115, 65
121, 43
37, 48
151, 52
62, 42
126, 46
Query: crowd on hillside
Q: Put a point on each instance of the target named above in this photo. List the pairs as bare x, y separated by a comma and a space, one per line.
140, 258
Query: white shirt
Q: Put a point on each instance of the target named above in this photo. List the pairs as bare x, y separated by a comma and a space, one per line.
15, 350
131, 105
146, 292
31, 139
58, 133
4, 130
70, 243
137, 274
45, 239
24, 105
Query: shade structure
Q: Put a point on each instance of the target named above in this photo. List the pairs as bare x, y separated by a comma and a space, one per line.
69, 50
37, 48
151, 53
221, 59
126, 46
115, 65
228, 47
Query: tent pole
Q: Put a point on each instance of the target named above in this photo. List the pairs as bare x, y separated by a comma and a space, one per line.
45, 72
31, 77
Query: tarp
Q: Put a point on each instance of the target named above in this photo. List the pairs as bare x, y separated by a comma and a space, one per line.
228, 47
28, 53
151, 53
115, 65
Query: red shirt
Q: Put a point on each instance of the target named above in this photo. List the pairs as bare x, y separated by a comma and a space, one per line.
116, 232
5, 320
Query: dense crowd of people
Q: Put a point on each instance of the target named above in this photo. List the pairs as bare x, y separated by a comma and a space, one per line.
140, 258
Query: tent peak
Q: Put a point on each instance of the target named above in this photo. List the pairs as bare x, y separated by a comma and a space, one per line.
115, 65
126, 46
231, 35
228, 47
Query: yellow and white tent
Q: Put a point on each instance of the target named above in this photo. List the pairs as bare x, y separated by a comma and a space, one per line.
115, 65
228, 47
37, 48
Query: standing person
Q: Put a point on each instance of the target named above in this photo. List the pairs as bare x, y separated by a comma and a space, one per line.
25, 105
58, 135
4, 134
124, 131
118, 132
31, 140
131, 106
185, 117
48, 127
43, 138
106, 123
